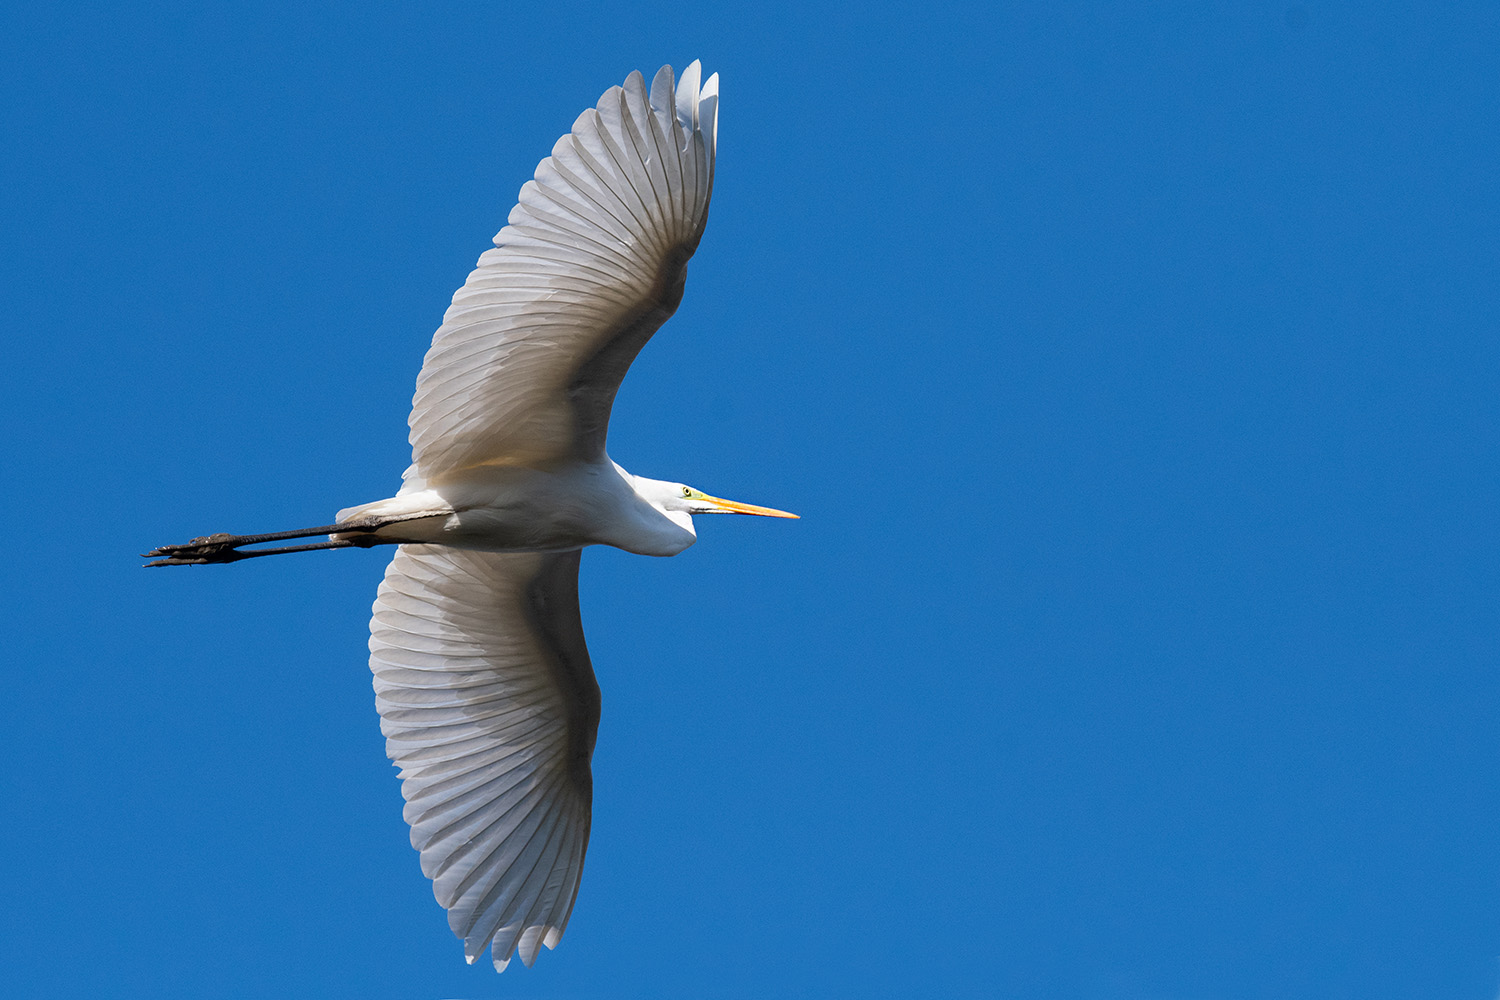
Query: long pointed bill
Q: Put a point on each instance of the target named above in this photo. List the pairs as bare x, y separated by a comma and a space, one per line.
734, 507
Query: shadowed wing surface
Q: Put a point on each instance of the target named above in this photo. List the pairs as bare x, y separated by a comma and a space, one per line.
489, 706
532, 350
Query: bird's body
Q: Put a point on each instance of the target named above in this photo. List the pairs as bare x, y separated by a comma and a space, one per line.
485, 690
512, 508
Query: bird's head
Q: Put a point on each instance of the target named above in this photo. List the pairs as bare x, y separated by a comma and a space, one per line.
679, 498
685, 498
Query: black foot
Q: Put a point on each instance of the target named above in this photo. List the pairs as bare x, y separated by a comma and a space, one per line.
200, 551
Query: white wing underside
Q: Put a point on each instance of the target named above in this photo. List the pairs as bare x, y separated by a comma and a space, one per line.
489, 706
526, 364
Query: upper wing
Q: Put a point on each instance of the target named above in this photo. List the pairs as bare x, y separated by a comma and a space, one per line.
530, 353
489, 706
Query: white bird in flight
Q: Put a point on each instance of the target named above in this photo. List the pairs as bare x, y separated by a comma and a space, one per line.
486, 695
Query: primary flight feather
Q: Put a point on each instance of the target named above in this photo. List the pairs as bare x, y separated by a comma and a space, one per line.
486, 694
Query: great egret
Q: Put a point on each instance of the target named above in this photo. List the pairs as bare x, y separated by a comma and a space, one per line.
486, 694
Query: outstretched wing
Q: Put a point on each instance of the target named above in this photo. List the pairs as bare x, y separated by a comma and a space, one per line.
489, 706
530, 353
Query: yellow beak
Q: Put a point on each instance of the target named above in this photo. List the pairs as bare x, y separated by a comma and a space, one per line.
734, 507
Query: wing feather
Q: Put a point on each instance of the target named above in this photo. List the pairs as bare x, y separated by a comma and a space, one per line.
489, 706
591, 262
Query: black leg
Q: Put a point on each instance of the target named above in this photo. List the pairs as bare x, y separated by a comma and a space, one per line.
225, 548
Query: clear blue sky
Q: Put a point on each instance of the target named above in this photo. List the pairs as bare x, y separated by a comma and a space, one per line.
1133, 367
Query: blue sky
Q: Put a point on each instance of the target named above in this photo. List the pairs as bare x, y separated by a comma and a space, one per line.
1132, 367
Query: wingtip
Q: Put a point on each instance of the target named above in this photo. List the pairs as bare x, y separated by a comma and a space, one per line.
663, 86
687, 95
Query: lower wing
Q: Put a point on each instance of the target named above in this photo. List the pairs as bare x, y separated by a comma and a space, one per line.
489, 706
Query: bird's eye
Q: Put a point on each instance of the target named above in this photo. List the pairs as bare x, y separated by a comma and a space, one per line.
687, 492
